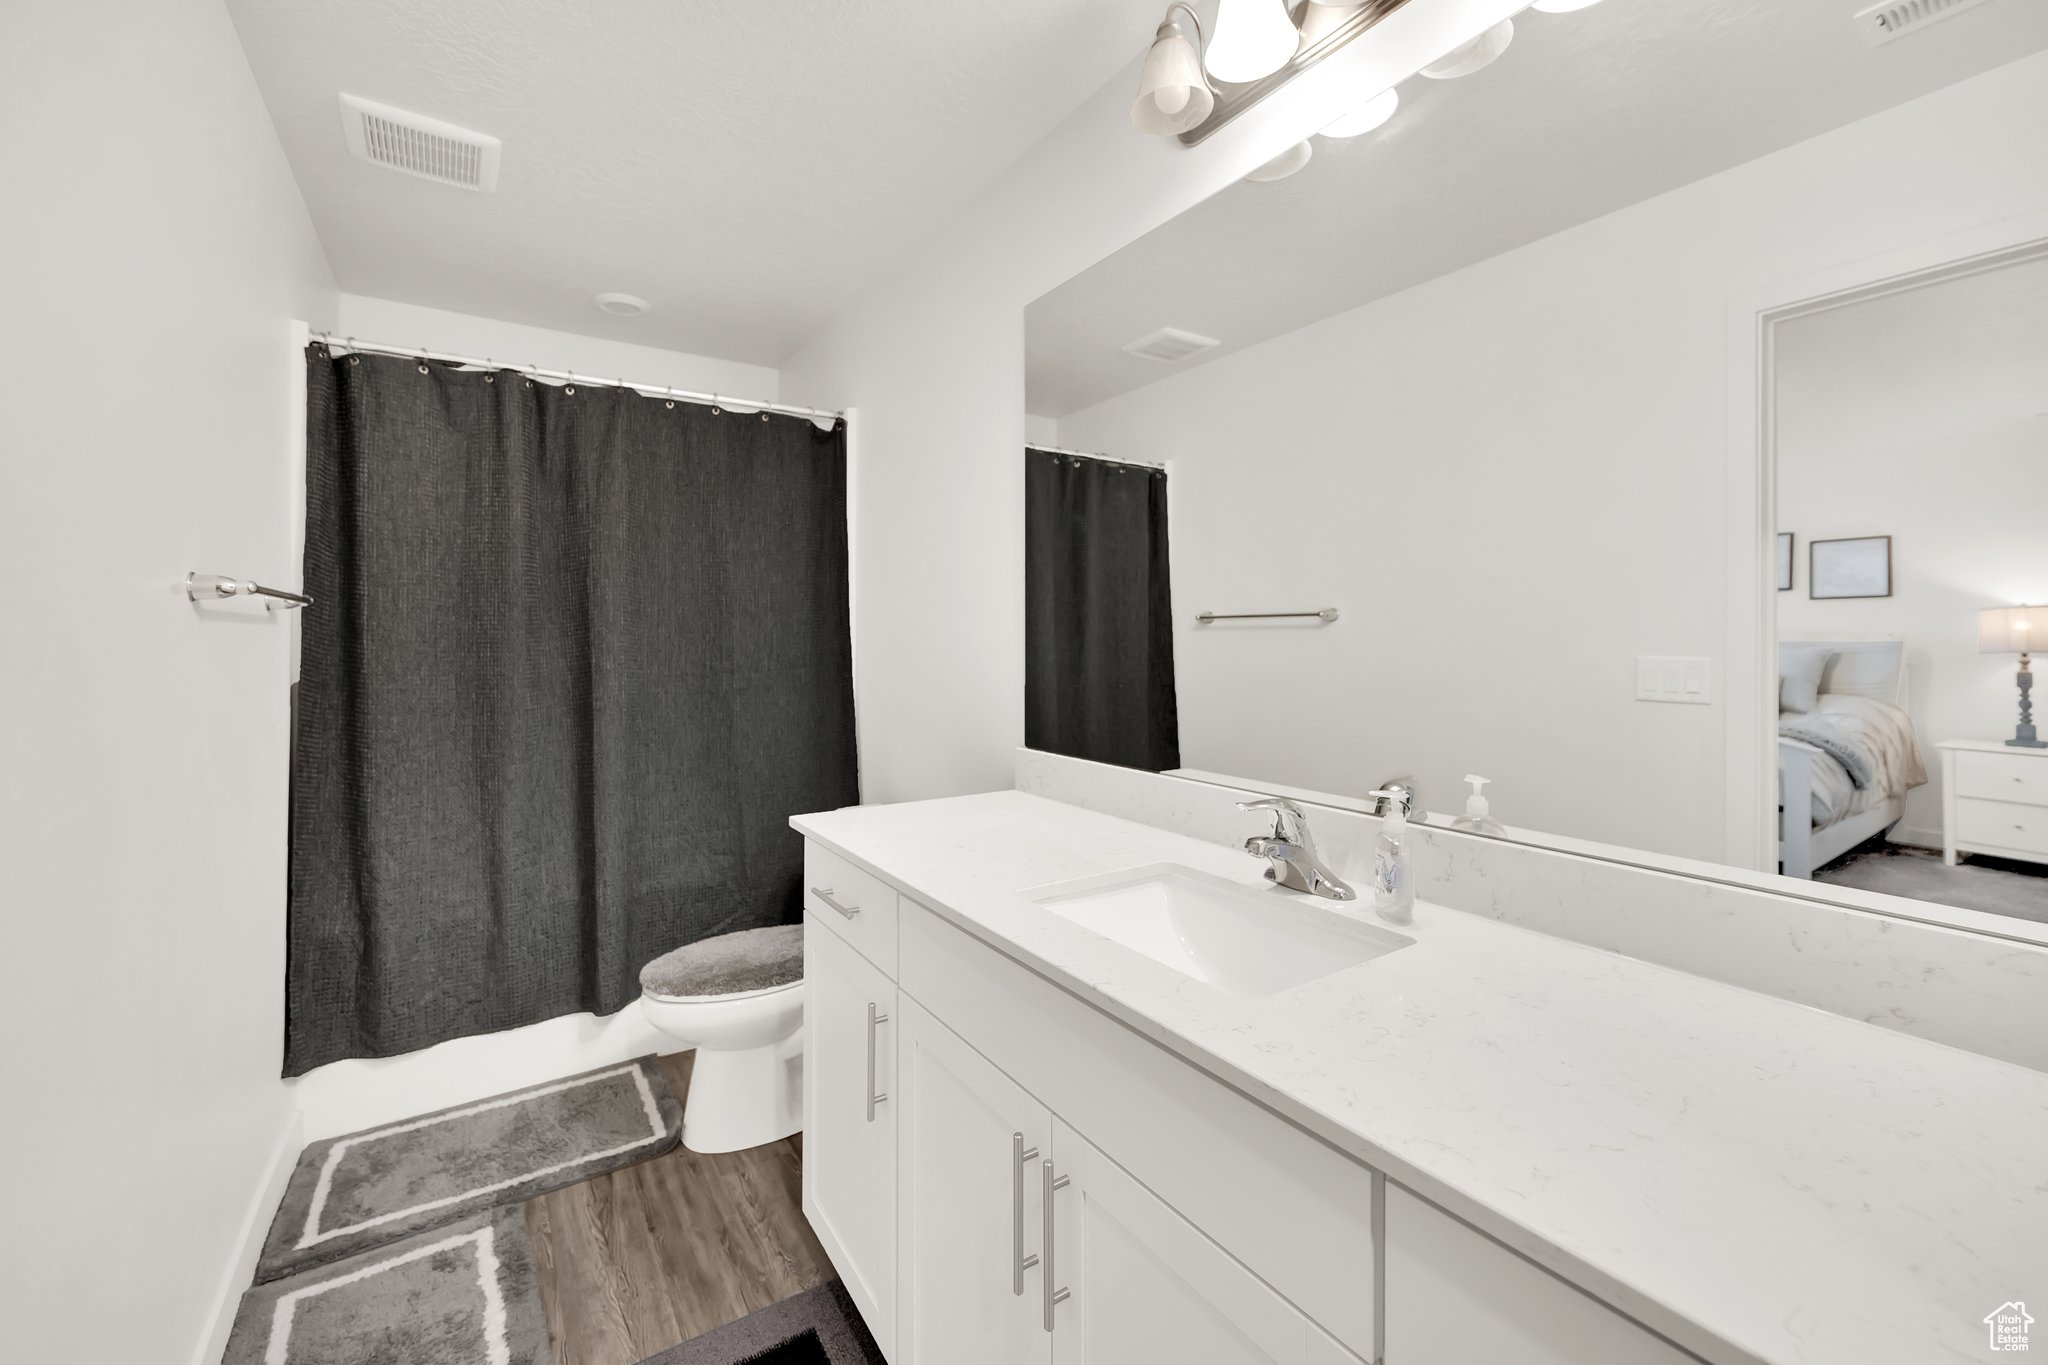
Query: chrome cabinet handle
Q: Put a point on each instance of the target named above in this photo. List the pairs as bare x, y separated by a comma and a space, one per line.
824, 893
1053, 1297
873, 1098
1020, 1157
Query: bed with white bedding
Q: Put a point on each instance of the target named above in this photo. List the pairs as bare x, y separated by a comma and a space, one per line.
1846, 753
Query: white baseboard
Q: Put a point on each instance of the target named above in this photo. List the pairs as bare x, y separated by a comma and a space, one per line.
263, 1202
1915, 836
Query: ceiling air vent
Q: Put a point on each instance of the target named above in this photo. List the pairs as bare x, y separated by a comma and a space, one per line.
419, 145
1169, 344
1882, 23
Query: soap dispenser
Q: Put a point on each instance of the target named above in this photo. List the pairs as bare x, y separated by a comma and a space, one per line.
1476, 819
1393, 891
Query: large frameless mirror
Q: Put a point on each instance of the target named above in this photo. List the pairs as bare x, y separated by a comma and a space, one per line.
1414, 464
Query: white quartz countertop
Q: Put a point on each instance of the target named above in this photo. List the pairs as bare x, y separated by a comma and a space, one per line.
1757, 1180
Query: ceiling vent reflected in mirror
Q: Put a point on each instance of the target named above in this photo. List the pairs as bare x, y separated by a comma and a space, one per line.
418, 145
1170, 344
1896, 18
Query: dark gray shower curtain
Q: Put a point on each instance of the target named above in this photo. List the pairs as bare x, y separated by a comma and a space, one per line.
575, 656
1098, 613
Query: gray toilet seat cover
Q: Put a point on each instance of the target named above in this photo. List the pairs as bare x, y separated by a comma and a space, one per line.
731, 964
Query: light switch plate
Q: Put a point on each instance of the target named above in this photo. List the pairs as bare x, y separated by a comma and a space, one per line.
1674, 678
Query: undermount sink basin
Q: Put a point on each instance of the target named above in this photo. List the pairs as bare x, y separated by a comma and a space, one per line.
1248, 942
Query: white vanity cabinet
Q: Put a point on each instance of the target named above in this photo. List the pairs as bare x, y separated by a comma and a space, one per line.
850, 1120
1006, 1175
1129, 1279
937, 1092
970, 1148
1143, 1284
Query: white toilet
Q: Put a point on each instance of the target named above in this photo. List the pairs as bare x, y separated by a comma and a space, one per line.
738, 999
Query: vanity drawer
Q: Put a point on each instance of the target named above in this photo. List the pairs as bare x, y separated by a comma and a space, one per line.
859, 906
2002, 777
2002, 824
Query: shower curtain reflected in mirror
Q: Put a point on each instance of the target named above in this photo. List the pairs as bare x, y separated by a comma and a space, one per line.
576, 657
1098, 623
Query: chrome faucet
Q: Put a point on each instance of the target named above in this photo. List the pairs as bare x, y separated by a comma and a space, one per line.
1291, 854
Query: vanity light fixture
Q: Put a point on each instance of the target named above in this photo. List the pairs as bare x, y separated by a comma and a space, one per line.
1260, 45
1173, 94
1467, 58
1366, 116
1254, 38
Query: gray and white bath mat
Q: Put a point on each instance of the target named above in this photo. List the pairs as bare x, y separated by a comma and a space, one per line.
351, 1193
463, 1294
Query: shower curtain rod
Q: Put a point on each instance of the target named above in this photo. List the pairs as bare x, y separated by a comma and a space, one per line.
329, 340
1089, 455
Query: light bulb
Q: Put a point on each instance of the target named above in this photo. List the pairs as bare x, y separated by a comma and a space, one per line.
1254, 38
1467, 58
1563, 6
1367, 116
1173, 94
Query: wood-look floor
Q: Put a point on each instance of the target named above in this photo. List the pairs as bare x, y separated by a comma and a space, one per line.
642, 1258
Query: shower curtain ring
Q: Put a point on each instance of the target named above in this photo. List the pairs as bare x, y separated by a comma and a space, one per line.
354, 356
490, 373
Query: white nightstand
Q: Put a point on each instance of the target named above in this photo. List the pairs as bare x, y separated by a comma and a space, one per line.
1994, 800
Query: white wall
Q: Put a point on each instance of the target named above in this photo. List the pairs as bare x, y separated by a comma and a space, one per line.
1517, 482
932, 358
152, 254
515, 344
1921, 416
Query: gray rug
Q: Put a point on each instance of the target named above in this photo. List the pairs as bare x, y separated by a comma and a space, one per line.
352, 1193
817, 1327
463, 1294
1998, 885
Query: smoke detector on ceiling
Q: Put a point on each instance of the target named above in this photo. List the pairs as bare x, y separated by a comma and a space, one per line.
1170, 344
418, 145
1896, 18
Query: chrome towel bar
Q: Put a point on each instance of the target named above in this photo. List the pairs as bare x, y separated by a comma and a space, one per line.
1326, 614
209, 587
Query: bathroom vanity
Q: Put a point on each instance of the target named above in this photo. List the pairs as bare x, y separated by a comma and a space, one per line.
1030, 1139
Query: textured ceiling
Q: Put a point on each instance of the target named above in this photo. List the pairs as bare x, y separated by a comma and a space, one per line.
1585, 114
746, 166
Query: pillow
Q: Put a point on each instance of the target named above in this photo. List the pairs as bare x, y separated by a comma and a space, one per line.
1800, 668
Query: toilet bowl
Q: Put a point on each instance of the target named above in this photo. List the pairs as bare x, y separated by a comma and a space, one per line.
746, 1085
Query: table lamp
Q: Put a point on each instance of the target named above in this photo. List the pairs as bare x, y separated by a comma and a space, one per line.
2017, 630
